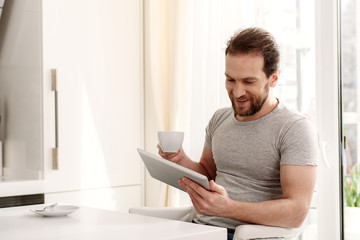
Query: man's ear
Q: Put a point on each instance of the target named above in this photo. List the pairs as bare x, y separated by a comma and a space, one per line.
274, 78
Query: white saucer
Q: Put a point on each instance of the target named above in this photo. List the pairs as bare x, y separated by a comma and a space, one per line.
56, 211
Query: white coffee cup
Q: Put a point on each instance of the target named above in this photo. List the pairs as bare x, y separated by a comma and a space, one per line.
170, 141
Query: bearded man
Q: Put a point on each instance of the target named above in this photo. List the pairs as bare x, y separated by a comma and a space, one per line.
259, 156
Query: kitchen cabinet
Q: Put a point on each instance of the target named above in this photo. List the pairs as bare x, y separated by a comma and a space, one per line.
95, 48
21, 99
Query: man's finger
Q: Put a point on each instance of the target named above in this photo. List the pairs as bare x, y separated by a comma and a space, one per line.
196, 187
216, 188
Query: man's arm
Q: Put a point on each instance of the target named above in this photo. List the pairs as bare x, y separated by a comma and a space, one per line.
297, 184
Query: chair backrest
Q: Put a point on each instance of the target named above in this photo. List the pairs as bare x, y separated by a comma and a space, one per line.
242, 232
253, 231
185, 214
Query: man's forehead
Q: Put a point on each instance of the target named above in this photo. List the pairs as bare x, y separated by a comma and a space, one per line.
248, 64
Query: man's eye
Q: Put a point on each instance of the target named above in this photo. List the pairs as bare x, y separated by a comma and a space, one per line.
230, 80
249, 82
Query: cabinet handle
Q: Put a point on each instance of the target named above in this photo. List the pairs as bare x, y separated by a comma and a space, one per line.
55, 152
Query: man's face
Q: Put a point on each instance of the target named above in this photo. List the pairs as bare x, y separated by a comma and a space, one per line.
247, 84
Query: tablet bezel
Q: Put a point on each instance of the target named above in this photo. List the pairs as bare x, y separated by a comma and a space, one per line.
169, 172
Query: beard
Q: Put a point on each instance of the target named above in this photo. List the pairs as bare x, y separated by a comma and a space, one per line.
256, 103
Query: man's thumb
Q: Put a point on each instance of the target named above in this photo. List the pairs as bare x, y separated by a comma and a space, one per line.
216, 188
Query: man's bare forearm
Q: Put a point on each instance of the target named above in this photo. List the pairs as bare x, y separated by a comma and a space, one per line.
282, 212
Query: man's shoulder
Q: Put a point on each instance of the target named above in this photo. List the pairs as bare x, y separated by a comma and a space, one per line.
220, 115
223, 113
290, 118
290, 114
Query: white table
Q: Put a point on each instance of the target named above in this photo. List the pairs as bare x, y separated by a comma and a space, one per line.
88, 223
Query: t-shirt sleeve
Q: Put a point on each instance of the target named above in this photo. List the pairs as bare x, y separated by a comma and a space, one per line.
300, 144
208, 133
212, 125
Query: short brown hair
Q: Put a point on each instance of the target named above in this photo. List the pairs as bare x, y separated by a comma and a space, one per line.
256, 40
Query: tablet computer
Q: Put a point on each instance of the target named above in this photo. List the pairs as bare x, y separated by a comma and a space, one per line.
169, 172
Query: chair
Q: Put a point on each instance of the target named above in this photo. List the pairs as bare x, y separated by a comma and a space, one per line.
242, 232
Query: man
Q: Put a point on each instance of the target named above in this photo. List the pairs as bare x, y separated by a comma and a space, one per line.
259, 156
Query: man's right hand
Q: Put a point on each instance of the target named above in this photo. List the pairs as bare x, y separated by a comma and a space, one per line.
173, 157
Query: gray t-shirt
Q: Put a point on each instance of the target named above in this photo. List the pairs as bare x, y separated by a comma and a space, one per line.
248, 155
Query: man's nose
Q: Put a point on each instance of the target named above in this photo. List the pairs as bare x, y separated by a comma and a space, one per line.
239, 90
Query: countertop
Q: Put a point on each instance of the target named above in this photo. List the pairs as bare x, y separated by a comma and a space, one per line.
90, 223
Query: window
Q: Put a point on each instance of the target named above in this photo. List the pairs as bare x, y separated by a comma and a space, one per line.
350, 17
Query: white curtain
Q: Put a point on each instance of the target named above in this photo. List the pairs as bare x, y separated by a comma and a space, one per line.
184, 75
164, 82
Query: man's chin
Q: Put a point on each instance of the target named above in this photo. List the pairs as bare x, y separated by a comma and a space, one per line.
243, 112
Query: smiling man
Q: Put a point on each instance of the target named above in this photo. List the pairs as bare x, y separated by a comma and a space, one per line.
259, 156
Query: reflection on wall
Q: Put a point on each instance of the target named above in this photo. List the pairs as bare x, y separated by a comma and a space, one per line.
1, 6
20, 88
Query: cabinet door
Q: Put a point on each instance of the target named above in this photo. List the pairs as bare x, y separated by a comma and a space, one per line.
96, 48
